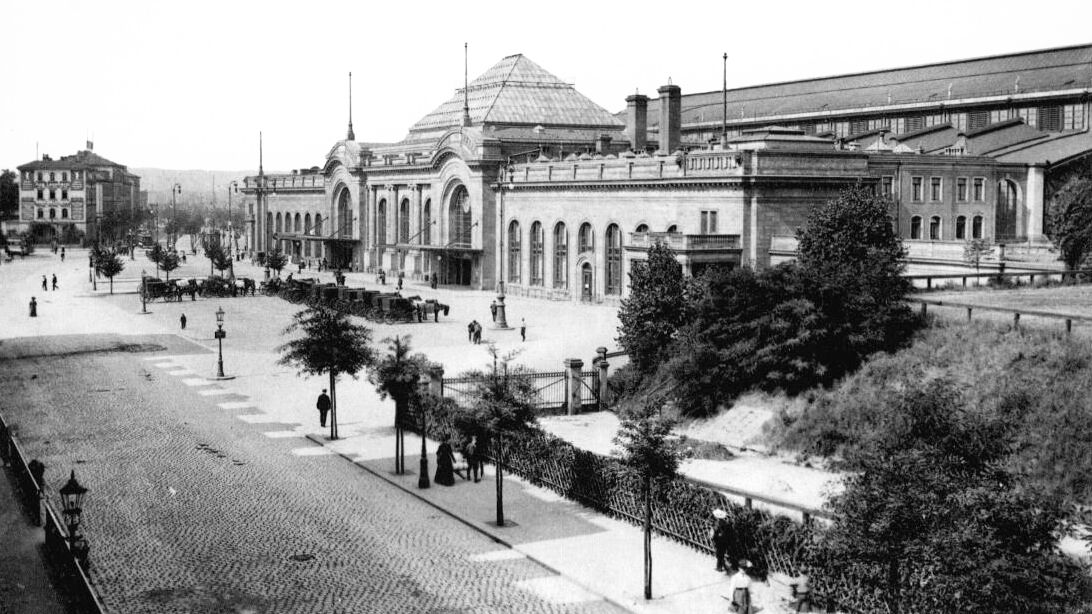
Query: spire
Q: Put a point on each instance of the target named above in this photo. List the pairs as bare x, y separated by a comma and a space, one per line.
466, 89
724, 101
350, 136
260, 172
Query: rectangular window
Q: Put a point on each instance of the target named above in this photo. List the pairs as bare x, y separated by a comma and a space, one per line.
708, 222
39, 176
64, 176
64, 194
979, 189
961, 189
858, 126
887, 185
53, 194
915, 123
1050, 118
935, 190
978, 119
958, 121
40, 194
915, 189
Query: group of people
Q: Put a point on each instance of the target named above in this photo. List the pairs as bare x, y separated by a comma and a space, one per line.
45, 283
474, 332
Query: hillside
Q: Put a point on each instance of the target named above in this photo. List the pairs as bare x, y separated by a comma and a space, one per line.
198, 186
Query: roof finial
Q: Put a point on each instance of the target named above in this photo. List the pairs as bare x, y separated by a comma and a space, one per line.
466, 88
350, 136
260, 173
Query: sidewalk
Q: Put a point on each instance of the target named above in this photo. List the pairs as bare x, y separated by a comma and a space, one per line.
25, 585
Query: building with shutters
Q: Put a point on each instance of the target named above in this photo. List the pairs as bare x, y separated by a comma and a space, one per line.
520, 179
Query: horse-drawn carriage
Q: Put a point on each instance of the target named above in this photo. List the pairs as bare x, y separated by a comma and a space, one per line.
153, 289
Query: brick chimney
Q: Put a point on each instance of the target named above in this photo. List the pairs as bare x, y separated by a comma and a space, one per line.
602, 144
637, 121
670, 117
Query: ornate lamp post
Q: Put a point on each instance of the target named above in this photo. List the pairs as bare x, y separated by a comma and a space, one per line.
422, 390
220, 334
172, 237
72, 494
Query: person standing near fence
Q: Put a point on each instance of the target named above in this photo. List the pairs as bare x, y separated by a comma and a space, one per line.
720, 534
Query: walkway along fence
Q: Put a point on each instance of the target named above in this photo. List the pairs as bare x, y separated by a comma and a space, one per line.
29, 476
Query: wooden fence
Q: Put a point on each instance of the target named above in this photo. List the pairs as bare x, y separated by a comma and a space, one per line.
970, 308
1078, 276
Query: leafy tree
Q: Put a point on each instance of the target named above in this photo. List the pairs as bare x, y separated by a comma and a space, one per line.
169, 262
156, 255
974, 250
502, 405
655, 308
276, 261
218, 256
651, 454
9, 194
396, 375
1070, 221
109, 264
330, 343
932, 519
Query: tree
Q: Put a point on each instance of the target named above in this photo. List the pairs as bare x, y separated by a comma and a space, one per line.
1070, 221
650, 453
396, 375
9, 194
109, 264
655, 308
933, 519
169, 262
502, 405
330, 343
974, 250
156, 255
218, 256
276, 261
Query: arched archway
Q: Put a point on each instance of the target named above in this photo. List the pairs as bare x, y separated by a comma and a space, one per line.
459, 257
1008, 204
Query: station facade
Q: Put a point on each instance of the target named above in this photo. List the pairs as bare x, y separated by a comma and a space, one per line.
520, 179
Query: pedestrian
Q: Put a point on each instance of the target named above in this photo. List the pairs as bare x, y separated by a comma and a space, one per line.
325, 267
470, 331
739, 587
33, 307
523, 329
382, 277
323, 406
183, 257
445, 463
477, 332
45, 284
54, 282
400, 277
300, 270
183, 321
720, 534
473, 459
434, 281
493, 310
62, 254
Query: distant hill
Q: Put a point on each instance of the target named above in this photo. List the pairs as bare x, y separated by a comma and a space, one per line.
198, 186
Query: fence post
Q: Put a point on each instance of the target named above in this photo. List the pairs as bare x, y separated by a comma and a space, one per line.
436, 380
1068, 326
574, 365
968, 314
1016, 321
924, 309
603, 365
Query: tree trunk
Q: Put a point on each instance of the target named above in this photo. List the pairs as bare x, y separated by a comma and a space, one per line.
111, 285
648, 538
497, 456
893, 584
333, 405
399, 440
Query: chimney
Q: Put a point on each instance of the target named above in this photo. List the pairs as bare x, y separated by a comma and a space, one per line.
670, 117
602, 144
637, 121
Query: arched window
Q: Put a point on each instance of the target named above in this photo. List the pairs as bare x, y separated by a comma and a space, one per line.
298, 225
642, 228
277, 226
41, 213
403, 221
915, 227
561, 256
513, 252
586, 240
52, 212
673, 228
318, 224
307, 228
934, 228
381, 223
961, 227
426, 223
614, 260
537, 241
64, 214
459, 215
344, 220
976, 227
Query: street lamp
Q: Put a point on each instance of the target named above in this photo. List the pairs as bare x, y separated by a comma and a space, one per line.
72, 501
232, 187
422, 390
176, 189
220, 334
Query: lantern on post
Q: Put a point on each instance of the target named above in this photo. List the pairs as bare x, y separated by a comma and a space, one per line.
72, 494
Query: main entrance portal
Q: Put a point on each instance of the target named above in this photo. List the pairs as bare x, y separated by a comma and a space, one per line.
456, 270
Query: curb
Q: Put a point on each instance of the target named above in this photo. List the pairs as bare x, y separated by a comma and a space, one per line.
320, 441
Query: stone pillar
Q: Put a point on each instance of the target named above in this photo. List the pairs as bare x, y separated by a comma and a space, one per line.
573, 366
436, 380
603, 365
1033, 203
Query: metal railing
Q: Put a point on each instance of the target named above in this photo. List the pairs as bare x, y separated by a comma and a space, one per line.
29, 491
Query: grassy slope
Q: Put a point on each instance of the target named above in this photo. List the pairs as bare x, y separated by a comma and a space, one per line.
1045, 377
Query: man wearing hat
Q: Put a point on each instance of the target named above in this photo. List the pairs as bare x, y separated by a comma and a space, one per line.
720, 534
323, 406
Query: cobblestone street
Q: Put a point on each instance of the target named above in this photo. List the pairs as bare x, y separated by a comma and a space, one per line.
194, 510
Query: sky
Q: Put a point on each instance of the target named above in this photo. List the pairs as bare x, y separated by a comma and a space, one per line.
189, 85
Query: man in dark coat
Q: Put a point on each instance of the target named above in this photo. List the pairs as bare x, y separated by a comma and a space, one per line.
721, 535
323, 406
493, 310
33, 307
183, 321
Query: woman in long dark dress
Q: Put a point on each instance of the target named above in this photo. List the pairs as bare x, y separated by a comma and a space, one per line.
445, 463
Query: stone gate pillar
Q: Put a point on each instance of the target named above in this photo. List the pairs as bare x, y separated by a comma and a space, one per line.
574, 365
436, 380
602, 364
